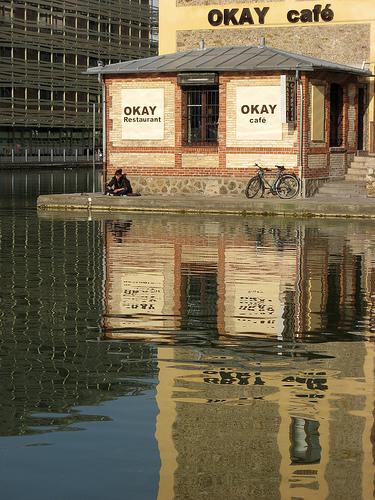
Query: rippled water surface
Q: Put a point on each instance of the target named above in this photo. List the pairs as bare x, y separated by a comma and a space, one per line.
183, 357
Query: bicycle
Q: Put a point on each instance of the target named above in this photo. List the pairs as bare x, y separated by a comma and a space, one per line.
285, 185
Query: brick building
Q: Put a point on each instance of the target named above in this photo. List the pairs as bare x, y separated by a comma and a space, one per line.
199, 120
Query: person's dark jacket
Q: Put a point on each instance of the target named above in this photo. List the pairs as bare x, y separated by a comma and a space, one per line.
120, 183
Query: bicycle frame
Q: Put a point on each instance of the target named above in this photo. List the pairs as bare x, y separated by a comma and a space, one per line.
262, 176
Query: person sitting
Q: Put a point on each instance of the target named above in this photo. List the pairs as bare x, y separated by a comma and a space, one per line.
119, 185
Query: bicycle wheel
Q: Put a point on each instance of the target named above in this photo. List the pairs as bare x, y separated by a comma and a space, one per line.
253, 187
288, 186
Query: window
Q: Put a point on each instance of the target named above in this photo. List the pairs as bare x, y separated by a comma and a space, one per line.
58, 95
6, 92
70, 21
200, 115
19, 53
45, 95
305, 446
19, 93
45, 56
336, 115
32, 55
93, 30
70, 59
5, 52
32, 99
5, 12
81, 60
45, 21
318, 107
58, 57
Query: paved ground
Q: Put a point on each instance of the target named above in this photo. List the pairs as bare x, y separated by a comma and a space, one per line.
224, 204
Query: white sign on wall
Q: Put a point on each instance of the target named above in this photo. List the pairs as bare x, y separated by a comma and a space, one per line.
142, 114
258, 114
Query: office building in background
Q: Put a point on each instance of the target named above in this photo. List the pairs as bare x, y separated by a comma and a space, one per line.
46, 100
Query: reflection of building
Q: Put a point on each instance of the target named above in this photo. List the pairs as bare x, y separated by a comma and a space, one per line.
276, 419
234, 279
294, 435
45, 99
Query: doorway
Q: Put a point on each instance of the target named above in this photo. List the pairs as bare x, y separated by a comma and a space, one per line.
336, 115
361, 118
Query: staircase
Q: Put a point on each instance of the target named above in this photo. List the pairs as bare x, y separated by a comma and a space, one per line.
358, 169
354, 184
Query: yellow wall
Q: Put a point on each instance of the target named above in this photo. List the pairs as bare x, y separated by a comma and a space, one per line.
173, 18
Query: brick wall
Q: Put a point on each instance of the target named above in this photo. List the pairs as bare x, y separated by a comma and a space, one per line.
230, 162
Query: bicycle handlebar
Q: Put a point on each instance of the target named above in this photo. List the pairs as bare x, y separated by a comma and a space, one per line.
264, 169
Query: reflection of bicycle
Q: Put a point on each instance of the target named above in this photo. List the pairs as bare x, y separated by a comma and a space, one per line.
285, 185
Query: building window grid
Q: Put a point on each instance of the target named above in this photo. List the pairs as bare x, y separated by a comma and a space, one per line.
48, 20
200, 116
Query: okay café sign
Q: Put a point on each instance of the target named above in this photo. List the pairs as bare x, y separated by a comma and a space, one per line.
258, 114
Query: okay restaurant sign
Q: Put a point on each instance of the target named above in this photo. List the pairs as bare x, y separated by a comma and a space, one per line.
142, 114
258, 114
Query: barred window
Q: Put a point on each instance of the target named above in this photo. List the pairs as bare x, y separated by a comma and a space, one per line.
200, 116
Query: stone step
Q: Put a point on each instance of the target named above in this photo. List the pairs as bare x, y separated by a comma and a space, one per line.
358, 170
362, 164
345, 189
364, 159
355, 177
340, 196
342, 189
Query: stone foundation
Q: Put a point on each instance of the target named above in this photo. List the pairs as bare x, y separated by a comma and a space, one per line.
203, 185
181, 185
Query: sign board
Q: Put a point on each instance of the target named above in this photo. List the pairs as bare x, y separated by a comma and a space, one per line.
258, 113
142, 114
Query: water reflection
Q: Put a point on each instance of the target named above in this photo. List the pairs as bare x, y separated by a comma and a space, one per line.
198, 357
224, 279
22, 186
266, 387
51, 298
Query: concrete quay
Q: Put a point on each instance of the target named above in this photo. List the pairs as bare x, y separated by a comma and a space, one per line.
215, 204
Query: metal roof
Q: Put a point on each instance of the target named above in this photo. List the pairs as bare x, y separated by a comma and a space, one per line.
238, 59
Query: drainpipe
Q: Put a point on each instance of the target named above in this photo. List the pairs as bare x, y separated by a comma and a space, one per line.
104, 107
300, 139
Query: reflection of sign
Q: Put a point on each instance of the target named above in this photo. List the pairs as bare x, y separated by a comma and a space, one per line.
258, 113
142, 114
143, 293
253, 307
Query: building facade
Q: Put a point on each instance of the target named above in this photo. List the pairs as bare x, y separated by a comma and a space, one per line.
342, 31
46, 100
198, 121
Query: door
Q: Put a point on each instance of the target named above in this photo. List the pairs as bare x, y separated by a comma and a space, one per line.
361, 117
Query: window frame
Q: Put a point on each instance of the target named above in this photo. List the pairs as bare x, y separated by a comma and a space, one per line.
204, 120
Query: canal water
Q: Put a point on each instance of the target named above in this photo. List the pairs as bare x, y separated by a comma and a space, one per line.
182, 357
